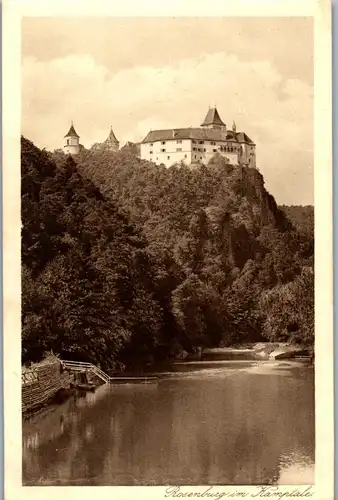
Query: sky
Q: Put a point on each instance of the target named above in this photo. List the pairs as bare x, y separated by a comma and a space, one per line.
141, 74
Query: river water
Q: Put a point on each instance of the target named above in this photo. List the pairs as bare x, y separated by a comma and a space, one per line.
215, 422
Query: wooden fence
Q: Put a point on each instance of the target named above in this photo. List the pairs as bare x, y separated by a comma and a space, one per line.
39, 384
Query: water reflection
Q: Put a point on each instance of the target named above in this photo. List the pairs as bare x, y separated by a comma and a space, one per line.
296, 467
217, 426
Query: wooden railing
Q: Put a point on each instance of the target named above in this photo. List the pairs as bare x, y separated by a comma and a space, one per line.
81, 366
42, 382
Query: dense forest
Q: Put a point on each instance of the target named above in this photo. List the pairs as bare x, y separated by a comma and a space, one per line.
301, 217
125, 262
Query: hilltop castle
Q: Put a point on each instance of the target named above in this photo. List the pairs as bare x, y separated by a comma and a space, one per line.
72, 142
199, 145
190, 145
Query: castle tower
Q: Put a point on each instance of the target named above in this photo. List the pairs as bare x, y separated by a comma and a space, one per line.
213, 120
72, 142
111, 143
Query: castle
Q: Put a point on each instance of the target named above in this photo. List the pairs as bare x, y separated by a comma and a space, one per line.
199, 145
188, 145
110, 144
72, 142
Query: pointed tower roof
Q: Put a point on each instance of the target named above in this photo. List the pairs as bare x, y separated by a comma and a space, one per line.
72, 132
111, 137
212, 118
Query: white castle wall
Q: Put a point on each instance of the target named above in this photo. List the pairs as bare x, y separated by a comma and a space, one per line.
190, 151
167, 152
72, 145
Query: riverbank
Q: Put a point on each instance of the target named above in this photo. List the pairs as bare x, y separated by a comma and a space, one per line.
47, 383
250, 351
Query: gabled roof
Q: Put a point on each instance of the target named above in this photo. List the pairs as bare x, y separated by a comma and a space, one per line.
198, 134
72, 132
212, 118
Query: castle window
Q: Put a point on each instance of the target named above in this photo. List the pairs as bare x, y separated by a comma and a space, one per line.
200, 157
200, 142
204, 150
162, 150
213, 143
179, 141
168, 157
194, 149
163, 142
195, 157
185, 156
67, 142
178, 149
194, 142
214, 150
151, 145
151, 152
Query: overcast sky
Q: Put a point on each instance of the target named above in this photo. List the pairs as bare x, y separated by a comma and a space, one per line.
137, 74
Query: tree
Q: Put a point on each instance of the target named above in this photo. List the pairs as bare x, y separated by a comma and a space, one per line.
289, 310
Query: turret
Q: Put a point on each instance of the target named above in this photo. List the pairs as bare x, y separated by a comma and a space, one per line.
72, 142
111, 143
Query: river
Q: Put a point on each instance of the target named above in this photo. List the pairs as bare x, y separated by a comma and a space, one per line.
214, 422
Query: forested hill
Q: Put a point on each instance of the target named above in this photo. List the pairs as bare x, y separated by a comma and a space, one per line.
126, 261
302, 217
89, 288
